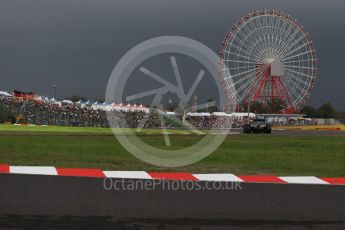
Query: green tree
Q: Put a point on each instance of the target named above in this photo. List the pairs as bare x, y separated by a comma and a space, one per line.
340, 116
5, 112
309, 111
275, 106
258, 107
327, 111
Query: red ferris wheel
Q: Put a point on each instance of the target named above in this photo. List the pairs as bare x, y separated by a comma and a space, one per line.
266, 57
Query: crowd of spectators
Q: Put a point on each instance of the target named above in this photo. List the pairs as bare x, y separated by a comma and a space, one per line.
43, 113
211, 121
51, 113
134, 119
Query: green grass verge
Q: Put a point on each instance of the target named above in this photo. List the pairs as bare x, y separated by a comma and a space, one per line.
80, 130
62, 129
240, 154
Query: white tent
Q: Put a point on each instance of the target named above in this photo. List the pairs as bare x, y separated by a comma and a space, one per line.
198, 114
4, 93
67, 101
221, 114
39, 98
240, 116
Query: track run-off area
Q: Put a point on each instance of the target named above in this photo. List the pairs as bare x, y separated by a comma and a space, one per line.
287, 152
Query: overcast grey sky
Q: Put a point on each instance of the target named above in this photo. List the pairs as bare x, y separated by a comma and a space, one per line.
76, 43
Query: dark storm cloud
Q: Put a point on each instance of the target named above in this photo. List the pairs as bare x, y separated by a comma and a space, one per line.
76, 43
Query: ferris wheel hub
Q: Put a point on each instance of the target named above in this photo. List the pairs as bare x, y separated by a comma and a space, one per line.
269, 60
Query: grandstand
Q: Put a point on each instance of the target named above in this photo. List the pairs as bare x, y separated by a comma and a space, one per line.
40, 110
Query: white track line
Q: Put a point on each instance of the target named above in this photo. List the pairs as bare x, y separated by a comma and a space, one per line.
37, 170
303, 180
127, 174
218, 177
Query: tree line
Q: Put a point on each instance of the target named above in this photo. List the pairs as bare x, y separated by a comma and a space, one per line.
324, 111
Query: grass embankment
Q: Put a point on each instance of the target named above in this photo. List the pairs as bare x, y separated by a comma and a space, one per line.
240, 154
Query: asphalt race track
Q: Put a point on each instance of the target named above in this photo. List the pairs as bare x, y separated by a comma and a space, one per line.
42, 202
